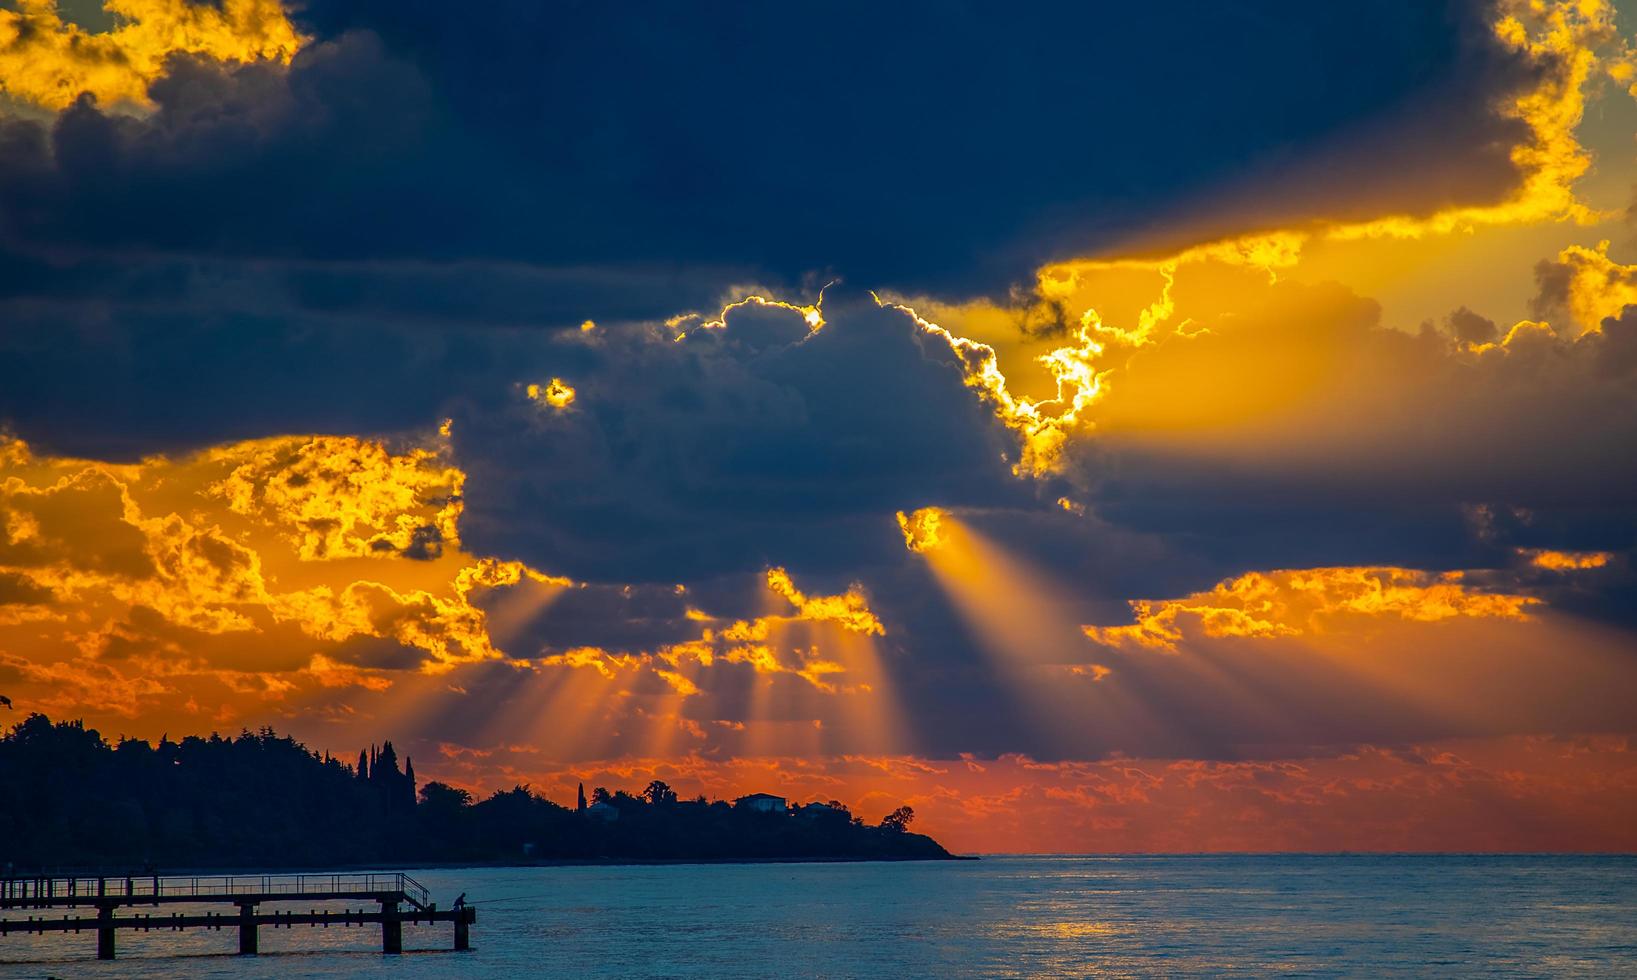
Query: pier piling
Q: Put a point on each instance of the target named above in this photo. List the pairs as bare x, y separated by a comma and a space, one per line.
105, 932
392, 929
247, 929
400, 897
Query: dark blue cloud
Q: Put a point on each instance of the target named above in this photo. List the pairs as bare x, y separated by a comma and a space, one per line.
329, 246
933, 146
116, 357
744, 446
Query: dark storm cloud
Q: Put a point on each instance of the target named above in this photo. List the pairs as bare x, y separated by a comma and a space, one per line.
455, 294
127, 383
614, 617
740, 447
115, 356
1470, 328
942, 147
310, 247
378, 652
17, 589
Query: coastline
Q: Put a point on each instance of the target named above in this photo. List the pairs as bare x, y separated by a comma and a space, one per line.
377, 866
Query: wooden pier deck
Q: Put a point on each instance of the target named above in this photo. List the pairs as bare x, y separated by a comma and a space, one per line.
399, 898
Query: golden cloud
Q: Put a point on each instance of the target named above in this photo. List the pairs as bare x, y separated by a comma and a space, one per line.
1043, 425
603, 662
850, 610
812, 313
342, 497
1568, 44
1295, 602
235, 572
921, 528
1567, 561
556, 394
49, 62
1586, 286
758, 643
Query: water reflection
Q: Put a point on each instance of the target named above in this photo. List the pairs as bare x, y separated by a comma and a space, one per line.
1105, 916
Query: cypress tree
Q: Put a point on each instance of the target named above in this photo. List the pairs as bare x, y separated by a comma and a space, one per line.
388, 760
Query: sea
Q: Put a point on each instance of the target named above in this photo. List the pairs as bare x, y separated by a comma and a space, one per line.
1087, 916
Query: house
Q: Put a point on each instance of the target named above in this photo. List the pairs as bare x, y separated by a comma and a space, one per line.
603, 811
762, 803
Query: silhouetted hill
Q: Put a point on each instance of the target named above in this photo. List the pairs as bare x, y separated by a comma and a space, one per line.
69, 798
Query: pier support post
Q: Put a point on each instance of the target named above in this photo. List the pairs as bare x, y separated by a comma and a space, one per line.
105, 932
247, 929
392, 929
463, 927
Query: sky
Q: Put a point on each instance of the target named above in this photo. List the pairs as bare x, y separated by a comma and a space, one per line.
1101, 428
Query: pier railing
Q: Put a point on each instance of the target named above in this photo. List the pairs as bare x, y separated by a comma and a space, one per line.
109, 895
136, 889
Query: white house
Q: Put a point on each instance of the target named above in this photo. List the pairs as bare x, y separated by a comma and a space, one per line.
603, 811
762, 803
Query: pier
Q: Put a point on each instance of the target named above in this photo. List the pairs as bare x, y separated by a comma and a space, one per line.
398, 898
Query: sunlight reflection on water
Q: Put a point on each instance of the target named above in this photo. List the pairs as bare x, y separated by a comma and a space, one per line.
1053, 916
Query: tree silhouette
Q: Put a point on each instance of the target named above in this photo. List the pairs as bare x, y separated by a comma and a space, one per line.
898, 820
658, 793
441, 796
259, 799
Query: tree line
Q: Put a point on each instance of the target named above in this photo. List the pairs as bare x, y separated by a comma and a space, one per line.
71, 799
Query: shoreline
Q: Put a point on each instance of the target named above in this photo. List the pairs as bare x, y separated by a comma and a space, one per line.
383, 867
243, 870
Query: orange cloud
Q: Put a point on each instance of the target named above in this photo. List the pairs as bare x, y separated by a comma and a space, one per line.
1042, 425
1569, 45
1297, 602
922, 528
850, 609
49, 62
556, 395
762, 643
1567, 561
334, 673
244, 573
605, 663
342, 497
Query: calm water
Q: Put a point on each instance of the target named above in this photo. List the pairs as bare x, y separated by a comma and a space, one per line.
1025, 916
